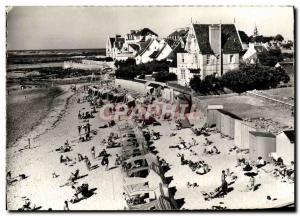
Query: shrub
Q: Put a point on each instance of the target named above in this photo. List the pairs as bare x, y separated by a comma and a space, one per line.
165, 76
254, 77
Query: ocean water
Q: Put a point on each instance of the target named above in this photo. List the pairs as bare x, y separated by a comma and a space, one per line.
25, 109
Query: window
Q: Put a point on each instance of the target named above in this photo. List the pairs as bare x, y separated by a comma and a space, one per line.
182, 74
231, 58
207, 59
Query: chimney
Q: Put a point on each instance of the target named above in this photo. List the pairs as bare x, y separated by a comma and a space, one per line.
214, 38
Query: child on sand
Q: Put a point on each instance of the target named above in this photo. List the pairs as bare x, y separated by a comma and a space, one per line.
251, 184
66, 206
93, 152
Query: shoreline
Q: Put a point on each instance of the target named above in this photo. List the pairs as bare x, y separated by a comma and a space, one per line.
55, 112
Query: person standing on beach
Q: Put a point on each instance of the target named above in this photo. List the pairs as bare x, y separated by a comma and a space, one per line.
66, 207
79, 129
93, 152
88, 127
223, 176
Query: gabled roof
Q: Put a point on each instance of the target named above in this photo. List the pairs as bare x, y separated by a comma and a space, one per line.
229, 37
179, 33
155, 54
144, 46
134, 46
145, 32
112, 40
170, 42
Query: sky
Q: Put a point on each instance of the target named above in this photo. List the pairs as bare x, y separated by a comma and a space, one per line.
88, 27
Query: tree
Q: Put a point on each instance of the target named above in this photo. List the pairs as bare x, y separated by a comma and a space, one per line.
270, 58
279, 37
165, 76
195, 82
254, 77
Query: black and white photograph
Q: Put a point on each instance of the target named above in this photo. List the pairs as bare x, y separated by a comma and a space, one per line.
150, 108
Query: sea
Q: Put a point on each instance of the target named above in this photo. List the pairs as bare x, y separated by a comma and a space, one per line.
26, 108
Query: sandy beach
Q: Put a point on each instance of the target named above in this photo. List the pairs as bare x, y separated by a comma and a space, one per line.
41, 160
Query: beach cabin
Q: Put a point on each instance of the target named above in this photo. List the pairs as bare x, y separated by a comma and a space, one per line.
227, 121
168, 94
242, 134
148, 193
212, 112
285, 146
262, 144
140, 166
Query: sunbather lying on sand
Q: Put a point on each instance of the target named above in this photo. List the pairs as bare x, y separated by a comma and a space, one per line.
188, 184
213, 150
82, 190
260, 162
180, 146
74, 176
65, 148
64, 160
27, 206
218, 192
207, 142
10, 179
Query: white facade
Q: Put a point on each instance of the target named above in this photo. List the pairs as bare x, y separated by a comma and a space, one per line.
144, 56
194, 62
284, 148
166, 50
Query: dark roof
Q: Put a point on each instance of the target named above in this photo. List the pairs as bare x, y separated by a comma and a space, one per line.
179, 33
170, 42
290, 135
112, 40
144, 46
135, 47
244, 37
119, 42
230, 39
155, 54
145, 32
202, 35
262, 134
229, 114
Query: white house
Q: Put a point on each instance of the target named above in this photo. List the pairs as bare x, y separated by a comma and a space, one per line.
128, 46
164, 50
148, 48
251, 56
209, 49
285, 146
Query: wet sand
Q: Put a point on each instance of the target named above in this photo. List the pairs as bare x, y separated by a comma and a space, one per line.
27, 108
